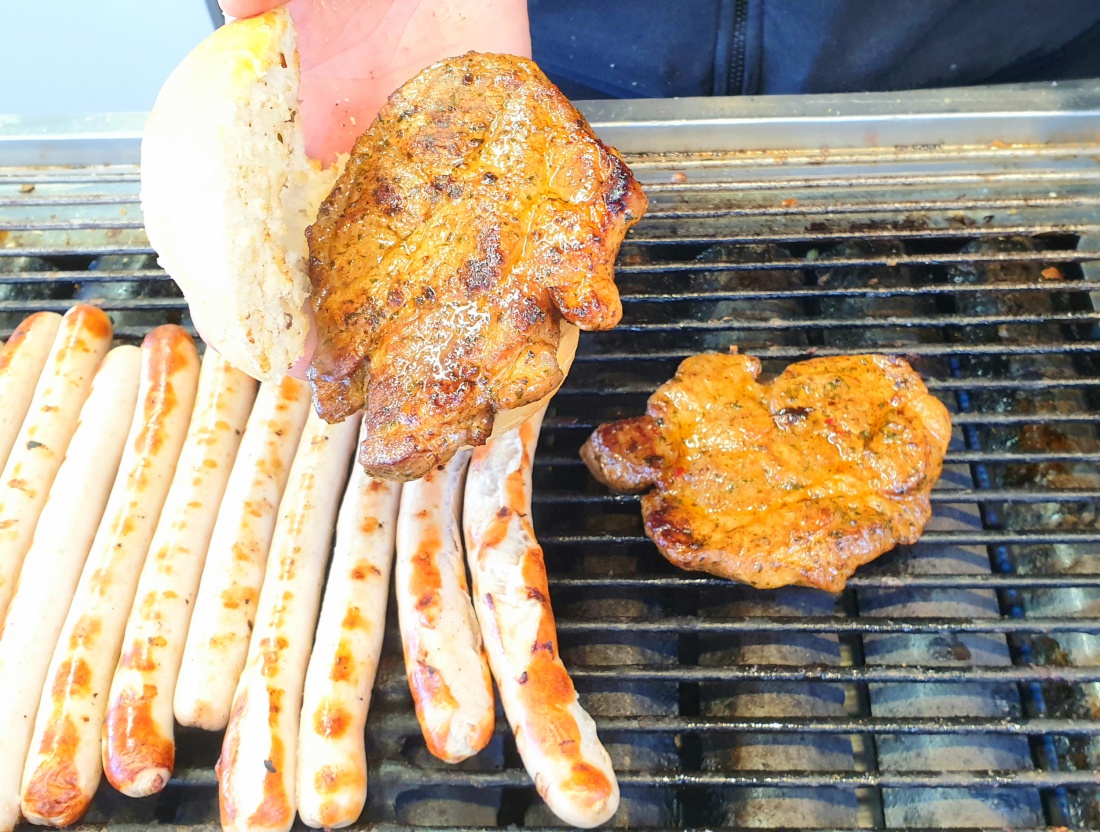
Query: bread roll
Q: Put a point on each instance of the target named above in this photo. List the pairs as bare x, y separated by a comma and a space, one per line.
227, 192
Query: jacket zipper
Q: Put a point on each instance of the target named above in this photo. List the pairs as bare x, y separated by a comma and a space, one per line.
738, 48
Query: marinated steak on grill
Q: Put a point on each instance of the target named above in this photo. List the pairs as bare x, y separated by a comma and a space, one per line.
476, 212
795, 482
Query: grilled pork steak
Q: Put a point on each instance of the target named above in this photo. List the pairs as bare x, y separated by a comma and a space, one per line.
477, 211
795, 482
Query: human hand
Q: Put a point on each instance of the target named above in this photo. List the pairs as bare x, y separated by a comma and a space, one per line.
354, 53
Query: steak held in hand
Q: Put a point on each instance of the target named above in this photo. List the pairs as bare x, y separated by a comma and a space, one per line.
476, 216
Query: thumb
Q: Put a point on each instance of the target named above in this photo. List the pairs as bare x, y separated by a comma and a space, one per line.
249, 8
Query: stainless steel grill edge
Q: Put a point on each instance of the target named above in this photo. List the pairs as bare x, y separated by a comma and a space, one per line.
954, 684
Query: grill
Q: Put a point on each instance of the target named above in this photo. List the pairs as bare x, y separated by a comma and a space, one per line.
955, 682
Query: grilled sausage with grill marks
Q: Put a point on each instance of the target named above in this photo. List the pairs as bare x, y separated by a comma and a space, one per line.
21, 361
444, 657
138, 741
52, 567
332, 760
256, 770
64, 765
221, 624
554, 735
81, 342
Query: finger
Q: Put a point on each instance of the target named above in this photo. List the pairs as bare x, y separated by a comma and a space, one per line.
249, 8
301, 366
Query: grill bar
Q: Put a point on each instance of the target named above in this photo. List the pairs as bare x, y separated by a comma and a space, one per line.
74, 225
759, 624
827, 291
128, 304
937, 384
954, 458
657, 212
72, 200
939, 495
984, 538
1046, 286
956, 258
98, 276
404, 723
848, 675
46, 252
858, 581
1051, 256
915, 350
1016, 178
878, 323
409, 776
959, 419
900, 207
682, 326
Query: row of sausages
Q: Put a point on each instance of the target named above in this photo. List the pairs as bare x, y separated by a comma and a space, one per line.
165, 527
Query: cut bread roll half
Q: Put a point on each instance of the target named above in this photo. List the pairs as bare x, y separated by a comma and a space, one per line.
227, 192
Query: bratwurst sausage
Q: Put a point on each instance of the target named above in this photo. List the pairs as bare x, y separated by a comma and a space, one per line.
21, 361
444, 656
332, 760
64, 765
79, 346
555, 737
139, 737
221, 625
52, 567
256, 770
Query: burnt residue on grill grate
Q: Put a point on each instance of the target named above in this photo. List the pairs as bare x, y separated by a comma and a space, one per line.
785, 752
954, 684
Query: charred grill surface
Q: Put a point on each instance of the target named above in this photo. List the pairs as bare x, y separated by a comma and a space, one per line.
954, 683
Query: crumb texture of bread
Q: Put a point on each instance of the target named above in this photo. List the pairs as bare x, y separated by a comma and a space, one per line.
227, 192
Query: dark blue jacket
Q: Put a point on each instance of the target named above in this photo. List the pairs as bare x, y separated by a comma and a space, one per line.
664, 48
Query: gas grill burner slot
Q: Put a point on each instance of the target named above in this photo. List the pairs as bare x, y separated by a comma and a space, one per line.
954, 683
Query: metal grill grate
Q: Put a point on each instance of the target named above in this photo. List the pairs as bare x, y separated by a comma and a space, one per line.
955, 682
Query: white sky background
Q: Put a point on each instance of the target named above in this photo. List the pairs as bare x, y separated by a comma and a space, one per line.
74, 57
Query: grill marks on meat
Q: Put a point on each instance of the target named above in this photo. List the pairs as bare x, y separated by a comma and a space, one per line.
795, 482
477, 211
